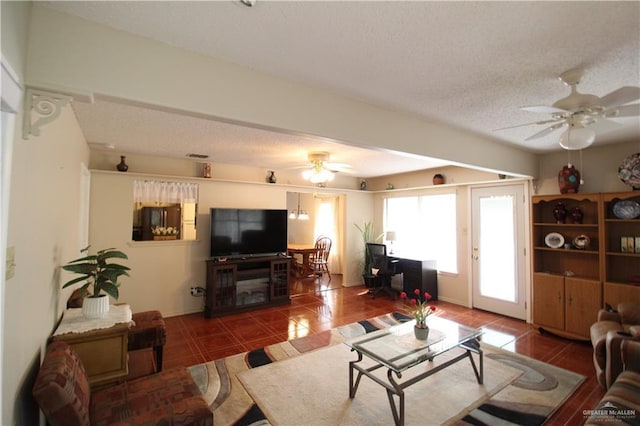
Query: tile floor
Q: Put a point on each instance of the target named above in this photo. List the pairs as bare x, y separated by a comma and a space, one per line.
318, 306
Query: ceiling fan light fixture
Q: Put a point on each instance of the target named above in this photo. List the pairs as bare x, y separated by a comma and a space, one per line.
576, 138
318, 175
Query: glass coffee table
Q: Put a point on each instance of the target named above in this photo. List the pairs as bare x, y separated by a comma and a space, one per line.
397, 349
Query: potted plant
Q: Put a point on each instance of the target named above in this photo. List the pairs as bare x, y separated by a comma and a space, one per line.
367, 237
95, 270
420, 312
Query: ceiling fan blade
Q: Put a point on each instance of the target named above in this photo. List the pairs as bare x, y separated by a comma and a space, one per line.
546, 131
544, 109
527, 124
603, 125
339, 167
621, 96
623, 111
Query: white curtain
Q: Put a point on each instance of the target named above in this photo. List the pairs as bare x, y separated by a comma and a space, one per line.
327, 223
164, 192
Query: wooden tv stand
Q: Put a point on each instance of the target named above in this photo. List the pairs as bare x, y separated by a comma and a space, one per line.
246, 283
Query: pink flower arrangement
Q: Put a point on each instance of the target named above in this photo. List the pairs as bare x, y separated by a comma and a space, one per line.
422, 311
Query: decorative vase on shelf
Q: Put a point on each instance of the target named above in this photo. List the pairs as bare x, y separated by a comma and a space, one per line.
569, 179
421, 331
576, 215
438, 179
272, 177
122, 166
95, 307
560, 213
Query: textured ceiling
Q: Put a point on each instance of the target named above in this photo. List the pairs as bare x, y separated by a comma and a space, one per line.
467, 64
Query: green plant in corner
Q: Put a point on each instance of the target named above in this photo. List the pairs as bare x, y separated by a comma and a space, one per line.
368, 237
96, 270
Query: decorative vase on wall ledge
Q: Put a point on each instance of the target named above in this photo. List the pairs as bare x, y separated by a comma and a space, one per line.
569, 179
122, 166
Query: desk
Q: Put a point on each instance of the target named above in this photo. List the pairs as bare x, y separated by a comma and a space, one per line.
418, 274
304, 250
101, 344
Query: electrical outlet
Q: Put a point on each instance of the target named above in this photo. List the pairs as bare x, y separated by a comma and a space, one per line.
197, 291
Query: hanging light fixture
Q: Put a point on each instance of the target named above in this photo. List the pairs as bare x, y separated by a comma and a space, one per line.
577, 136
299, 213
318, 173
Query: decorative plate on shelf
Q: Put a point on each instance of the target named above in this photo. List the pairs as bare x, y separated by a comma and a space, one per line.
629, 170
626, 209
581, 241
554, 240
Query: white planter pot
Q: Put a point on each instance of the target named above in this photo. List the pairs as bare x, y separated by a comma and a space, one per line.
95, 307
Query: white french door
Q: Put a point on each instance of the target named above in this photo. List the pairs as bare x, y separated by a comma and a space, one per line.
498, 249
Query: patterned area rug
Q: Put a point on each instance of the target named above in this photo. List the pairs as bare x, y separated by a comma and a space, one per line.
529, 397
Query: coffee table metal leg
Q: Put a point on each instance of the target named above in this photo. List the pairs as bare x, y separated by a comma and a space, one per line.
399, 419
354, 387
474, 346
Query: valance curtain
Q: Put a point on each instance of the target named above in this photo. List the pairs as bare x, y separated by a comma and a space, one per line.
164, 192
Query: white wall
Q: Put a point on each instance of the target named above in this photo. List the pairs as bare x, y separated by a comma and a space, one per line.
163, 272
301, 231
43, 227
599, 168
69, 52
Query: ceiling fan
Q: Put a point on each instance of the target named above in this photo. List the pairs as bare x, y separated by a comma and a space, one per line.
583, 114
320, 170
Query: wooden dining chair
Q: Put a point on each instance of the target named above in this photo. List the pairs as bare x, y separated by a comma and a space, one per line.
319, 260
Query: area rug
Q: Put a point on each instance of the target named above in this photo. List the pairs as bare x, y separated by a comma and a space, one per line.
313, 389
312, 372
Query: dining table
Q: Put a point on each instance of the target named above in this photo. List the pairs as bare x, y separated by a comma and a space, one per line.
304, 252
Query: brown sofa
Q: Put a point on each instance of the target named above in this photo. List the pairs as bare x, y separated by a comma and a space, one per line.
168, 398
621, 403
611, 328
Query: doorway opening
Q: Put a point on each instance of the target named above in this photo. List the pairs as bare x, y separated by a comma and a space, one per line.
322, 217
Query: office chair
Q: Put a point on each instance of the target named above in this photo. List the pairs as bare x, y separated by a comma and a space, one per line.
382, 269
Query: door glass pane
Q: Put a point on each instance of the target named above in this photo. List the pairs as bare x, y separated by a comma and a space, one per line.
496, 248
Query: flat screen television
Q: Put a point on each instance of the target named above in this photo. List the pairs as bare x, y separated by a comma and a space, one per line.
248, 232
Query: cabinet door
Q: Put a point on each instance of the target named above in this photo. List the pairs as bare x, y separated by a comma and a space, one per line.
548, 300
279, 279
221, 287
583, 298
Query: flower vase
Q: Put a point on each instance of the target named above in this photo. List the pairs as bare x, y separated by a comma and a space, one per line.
421, 332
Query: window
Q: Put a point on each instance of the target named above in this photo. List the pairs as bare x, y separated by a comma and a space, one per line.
425, 228
164, 210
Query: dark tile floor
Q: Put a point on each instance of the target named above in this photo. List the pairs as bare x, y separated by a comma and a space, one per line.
318, 306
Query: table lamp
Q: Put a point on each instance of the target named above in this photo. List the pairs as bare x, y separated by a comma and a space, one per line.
391, 237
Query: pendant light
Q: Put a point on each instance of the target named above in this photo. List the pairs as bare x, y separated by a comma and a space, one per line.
299, 214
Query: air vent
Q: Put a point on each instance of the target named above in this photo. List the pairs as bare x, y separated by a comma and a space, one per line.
199, 156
